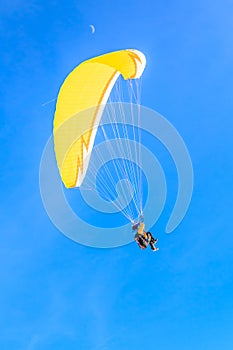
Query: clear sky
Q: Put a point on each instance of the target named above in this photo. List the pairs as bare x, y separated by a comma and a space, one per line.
57, 294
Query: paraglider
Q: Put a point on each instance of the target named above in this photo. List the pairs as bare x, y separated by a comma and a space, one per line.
84, 94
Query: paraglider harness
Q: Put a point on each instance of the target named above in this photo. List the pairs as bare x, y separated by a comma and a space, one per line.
141, 237
143, 241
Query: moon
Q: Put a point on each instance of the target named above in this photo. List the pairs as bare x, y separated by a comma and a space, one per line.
92, 28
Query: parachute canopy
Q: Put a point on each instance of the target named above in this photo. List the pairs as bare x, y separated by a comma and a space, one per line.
88, 87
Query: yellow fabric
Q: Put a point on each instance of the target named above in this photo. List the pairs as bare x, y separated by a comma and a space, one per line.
88, 85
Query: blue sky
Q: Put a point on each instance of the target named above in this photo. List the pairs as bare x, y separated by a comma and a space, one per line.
57, 294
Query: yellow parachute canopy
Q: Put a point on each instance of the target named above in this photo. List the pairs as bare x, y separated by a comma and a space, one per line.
88, 85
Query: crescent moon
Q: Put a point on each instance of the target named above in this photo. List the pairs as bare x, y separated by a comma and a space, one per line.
92, 28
